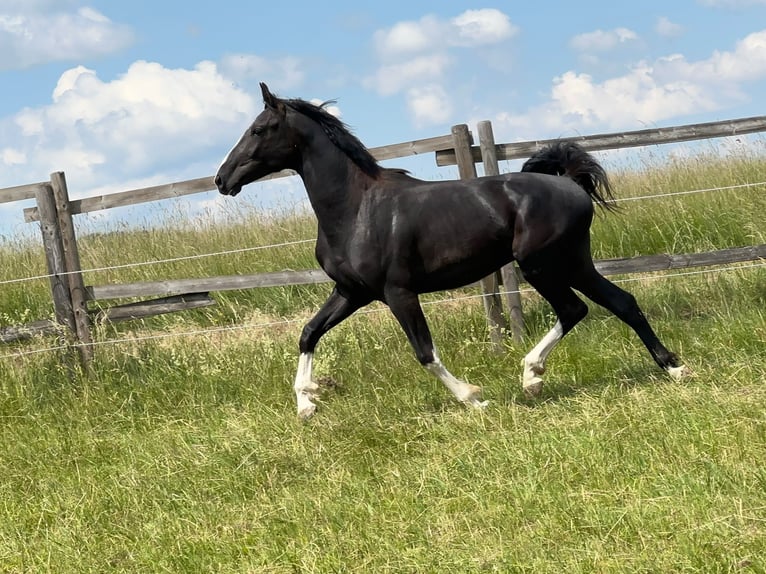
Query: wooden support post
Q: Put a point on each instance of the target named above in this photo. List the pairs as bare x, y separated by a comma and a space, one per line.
493, 304
508, 273
54, 256
73, 267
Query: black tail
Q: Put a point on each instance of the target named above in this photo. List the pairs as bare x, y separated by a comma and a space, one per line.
568, 158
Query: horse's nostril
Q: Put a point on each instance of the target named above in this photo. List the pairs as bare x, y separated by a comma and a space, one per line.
218, 180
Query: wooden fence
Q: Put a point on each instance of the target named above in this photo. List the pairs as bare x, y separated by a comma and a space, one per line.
54, 211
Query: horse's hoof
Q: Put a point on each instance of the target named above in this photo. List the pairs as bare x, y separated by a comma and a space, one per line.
473, 398
306, 405
307, 411
679, 373
477, 403
531, 381
533, 389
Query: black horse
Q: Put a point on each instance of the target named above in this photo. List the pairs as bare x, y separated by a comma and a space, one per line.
384, 235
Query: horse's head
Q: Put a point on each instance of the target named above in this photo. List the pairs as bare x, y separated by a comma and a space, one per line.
266, 147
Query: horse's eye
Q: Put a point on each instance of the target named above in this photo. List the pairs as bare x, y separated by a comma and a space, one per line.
256, 130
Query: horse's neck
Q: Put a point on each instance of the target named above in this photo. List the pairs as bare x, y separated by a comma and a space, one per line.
334, 185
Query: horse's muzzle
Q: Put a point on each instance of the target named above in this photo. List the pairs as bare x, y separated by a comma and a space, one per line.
222, 189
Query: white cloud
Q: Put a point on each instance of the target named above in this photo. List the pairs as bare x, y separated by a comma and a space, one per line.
603, 40
149, 118
409, 37
395, 77
429, 105
415, 56
10, 156
34, 33
668, 88
469, 29
479, 27
577, 102
280, 73
664, 27
746, 62
331, 109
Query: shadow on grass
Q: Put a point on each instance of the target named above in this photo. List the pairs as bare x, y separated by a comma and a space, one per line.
558, 388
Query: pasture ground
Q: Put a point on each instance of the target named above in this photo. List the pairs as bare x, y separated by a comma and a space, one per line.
183, 453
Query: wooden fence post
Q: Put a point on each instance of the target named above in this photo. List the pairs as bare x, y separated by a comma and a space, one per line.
54, 256
508, 272
493, 304
73, 267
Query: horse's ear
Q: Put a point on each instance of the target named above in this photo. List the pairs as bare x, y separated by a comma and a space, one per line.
270, 100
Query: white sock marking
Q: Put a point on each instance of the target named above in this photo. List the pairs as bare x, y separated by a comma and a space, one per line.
678, 373
305, 388
534, 362
464, 392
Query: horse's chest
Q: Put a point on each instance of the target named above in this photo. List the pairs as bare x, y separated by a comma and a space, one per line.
349, 268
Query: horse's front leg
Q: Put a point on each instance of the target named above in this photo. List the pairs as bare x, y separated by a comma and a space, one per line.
335, 309
406, 308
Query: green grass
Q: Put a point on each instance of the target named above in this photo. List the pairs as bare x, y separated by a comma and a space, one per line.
183, 454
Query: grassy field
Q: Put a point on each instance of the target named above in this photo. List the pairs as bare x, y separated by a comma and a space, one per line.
182, 453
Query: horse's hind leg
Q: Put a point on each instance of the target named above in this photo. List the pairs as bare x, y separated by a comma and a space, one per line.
406, 308
605, 293
569, 310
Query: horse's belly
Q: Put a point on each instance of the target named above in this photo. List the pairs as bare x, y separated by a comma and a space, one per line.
450, 270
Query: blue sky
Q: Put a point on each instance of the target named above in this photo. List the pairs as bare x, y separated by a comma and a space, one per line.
120, 95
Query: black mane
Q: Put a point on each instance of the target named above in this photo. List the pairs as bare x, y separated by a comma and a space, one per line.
339, 134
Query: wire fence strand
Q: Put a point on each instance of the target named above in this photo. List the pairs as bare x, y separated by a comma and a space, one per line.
163, 261
302, 241
688, 192
232, 328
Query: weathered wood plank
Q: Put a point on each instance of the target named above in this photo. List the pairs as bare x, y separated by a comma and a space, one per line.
203, 184
20, 192
222, 283
13, 334
129, 311
445, 155
644, 263
664, 262
143, 195
652, 136
73, 268
416, 147
508, 272
137, 310
493, 304
135, 196
54, 256
144, 309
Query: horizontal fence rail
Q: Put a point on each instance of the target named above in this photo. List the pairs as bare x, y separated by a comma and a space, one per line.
665, 262
50, 326
21, 192
652, 136
619, 266
221, 283
204, 184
